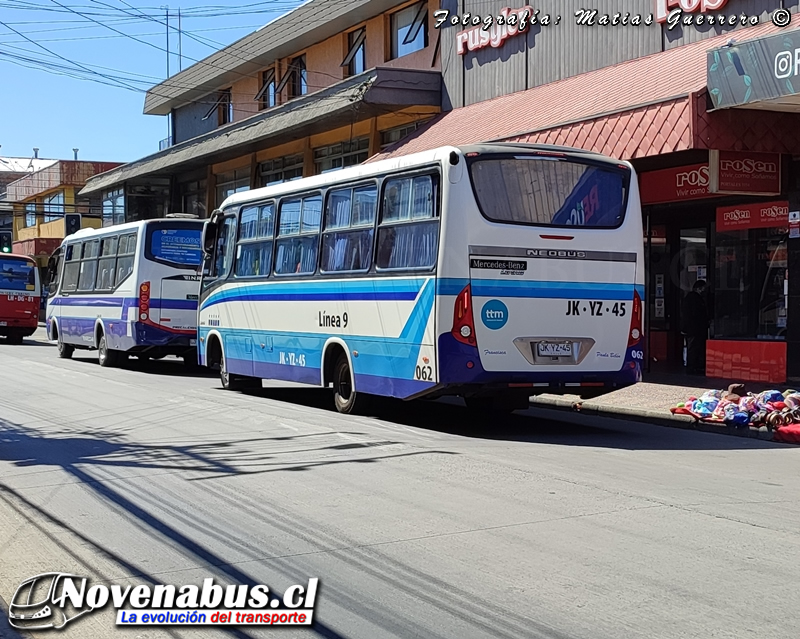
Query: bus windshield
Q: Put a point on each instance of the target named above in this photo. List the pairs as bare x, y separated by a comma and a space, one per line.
17, 274
549, 191
175, 245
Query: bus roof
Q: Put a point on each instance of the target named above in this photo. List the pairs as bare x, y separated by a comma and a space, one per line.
127, 226
18, 256
403, 162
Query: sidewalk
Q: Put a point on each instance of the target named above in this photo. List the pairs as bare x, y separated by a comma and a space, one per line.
649, 402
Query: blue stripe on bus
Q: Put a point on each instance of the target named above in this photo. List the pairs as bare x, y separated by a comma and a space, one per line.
537, 289
333, 290
125, 302
187, 305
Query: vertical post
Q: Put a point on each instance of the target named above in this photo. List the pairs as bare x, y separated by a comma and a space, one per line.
169, 116
180, 48
167, 8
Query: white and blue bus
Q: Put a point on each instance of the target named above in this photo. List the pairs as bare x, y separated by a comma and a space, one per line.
130, 289
492, 272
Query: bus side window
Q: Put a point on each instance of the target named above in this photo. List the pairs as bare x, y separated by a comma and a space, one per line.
53, 272
126, 251
225, 248
72, 268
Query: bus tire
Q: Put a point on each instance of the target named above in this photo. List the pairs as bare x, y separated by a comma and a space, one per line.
345, 397
108, 357
14, 338
65, 351
233, 382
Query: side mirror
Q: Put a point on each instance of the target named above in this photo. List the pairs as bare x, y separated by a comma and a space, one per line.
211, 233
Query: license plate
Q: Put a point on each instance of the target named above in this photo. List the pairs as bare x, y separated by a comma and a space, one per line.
192, 342
554, 349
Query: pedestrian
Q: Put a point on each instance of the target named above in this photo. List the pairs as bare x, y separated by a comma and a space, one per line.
694, 326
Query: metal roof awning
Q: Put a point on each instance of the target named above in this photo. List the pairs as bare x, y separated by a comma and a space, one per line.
368, 94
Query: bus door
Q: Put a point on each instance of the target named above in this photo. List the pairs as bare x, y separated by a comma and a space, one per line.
52, 282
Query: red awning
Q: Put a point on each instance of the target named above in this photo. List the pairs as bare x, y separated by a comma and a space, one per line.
643, 107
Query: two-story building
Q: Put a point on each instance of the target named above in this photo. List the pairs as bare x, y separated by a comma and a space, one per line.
703, 97
323, 87
41, 199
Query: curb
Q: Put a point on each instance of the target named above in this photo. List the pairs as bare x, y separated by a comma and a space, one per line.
645, 416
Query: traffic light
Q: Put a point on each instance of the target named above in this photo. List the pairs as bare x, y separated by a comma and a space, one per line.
72, 223
5, 241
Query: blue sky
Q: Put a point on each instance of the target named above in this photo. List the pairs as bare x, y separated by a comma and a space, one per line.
103, 41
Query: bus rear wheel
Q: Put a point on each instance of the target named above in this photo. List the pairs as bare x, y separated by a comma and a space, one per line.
65, 351
345, 397
108, 357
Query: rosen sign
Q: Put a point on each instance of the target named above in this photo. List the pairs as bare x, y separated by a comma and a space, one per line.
744, 172
675, 185
663, 7
511, 22
753, 216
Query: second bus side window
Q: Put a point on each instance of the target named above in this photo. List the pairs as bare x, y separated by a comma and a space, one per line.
72, 268
408, 234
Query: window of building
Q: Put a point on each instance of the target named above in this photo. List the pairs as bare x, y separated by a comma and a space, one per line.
280, 170
54, 206
341, 155
391, 136
750, 298
225, 107
193, 197
409, 231
298, 235
356, 58
254, 251
349, 229
113, 207
409, 28
30, 214
267, 95
232, 182
298, 83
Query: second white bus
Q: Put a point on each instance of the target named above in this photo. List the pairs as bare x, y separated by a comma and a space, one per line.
130, 289
492, 272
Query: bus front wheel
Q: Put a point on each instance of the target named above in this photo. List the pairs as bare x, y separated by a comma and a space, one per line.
235, 382
65, 351
345, 397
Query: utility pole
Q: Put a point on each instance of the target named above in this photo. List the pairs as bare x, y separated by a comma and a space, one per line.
167, 8
180, 48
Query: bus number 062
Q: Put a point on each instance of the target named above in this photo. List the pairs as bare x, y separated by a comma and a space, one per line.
424, 373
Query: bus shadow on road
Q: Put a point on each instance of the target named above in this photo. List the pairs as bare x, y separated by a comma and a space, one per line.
450, 416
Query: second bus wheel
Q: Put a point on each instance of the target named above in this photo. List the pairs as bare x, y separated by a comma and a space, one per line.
65, 351
107, 356
345, 397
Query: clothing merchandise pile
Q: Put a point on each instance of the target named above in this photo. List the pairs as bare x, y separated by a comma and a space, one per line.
778, 411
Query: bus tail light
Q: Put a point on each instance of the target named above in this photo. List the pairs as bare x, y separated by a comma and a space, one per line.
635, 335
463, 325
144, 301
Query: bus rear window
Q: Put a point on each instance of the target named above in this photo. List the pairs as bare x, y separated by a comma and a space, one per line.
179, 246
549, 191
17, 275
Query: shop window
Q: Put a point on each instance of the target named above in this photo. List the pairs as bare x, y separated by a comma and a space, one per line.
193, 197
398, 133
409, 28
283, 169
113, 207
356, 59
750, 286
341, 155
349, 228
266, 96
232, 182
298, 235
409, 231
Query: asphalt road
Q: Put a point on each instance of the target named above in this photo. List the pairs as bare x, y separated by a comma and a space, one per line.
425, 521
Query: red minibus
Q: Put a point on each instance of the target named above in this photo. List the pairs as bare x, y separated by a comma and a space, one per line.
20, 295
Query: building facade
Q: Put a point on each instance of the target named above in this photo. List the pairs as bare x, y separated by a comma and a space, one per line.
40, 200
699, 95
299, 97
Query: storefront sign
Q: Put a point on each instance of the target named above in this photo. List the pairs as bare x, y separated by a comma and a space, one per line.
663, 7
674, 185
740, 172
753, 71
752, 216
511, 22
